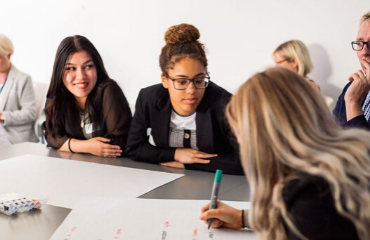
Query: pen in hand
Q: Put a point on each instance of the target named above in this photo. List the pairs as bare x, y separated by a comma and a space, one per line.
214, 196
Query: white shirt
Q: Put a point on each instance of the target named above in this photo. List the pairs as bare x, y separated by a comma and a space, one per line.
183, 122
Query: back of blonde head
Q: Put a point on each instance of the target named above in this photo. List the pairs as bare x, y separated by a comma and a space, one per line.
6, 46
295, 49
284, 127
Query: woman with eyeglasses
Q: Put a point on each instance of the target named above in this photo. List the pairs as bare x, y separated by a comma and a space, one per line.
294, 56
86, 111
184, 115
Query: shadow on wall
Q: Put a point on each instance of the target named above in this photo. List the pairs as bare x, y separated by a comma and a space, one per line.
322, 71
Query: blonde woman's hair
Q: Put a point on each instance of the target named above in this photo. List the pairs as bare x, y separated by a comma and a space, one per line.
365, 17
296, 49
6, 46
284, 128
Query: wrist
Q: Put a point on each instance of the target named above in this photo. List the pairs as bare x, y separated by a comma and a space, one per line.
176, 155
353, 109
69, 145
243, 219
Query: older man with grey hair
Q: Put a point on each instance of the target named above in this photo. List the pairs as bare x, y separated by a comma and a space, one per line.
353, 105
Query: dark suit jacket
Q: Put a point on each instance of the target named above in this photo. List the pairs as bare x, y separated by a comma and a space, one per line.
153, 110
116, 118
341, 115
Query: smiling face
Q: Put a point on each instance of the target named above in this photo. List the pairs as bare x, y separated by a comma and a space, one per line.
185, 102
363, 35
80, 76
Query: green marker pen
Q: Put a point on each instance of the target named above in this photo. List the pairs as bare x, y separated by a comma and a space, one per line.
214, 196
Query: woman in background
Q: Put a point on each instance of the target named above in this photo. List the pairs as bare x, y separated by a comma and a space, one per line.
309, 178
294, 55
17, 100
86, 111
185, 114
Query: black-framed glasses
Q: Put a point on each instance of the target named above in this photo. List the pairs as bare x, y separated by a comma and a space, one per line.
358, 45
200, 82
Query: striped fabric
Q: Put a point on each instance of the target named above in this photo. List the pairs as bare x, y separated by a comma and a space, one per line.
366, 107
178, 136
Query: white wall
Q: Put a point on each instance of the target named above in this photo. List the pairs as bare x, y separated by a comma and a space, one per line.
240, 35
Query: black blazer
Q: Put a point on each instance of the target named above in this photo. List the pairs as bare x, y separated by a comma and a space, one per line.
153, 110
341, 115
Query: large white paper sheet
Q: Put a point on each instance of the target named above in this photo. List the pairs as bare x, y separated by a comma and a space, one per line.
118, 218
65, 181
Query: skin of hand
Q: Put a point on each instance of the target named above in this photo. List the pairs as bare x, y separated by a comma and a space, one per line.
357, 91
1, 120
189, 156
173, 164
224, 216
100, 146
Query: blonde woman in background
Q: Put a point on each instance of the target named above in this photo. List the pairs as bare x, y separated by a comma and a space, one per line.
294, 55
309, 178
17, 99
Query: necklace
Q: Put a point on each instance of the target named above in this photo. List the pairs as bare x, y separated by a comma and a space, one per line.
83, 117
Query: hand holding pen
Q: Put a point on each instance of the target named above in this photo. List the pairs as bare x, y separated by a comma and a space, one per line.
224, 216
214, 195
218, 214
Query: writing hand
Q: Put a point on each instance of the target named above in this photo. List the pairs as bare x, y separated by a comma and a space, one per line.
224, 216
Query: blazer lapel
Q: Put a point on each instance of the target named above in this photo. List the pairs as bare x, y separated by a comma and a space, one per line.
160, 122
8, 85
203, 119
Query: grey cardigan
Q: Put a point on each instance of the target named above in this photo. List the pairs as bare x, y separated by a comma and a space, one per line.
18, 107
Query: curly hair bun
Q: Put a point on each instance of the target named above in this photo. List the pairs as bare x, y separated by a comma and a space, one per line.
181, 33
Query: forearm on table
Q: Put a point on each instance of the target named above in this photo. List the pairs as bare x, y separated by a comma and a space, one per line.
75, 145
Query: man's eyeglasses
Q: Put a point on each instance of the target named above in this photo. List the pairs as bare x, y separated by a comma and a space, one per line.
358, 45
200, 82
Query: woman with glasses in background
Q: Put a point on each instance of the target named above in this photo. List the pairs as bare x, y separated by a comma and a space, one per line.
184, 115
294, 56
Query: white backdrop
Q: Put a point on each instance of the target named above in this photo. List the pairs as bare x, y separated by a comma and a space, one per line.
240, 35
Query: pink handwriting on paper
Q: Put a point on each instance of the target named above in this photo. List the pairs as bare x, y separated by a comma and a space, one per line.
119, 231
72, 230
195, 232
167, 224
